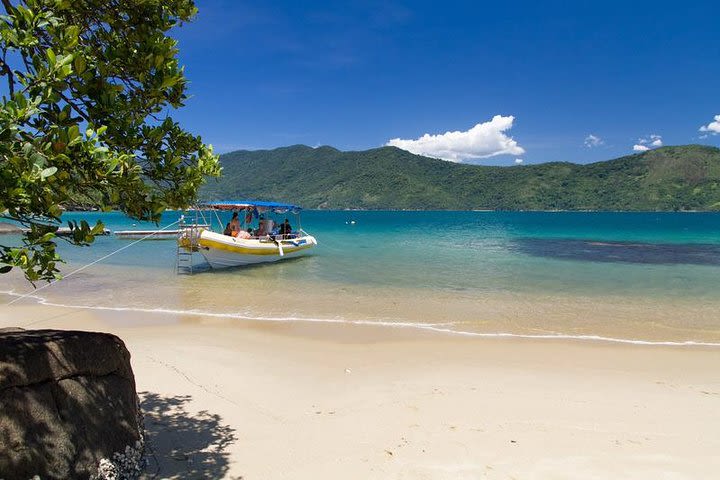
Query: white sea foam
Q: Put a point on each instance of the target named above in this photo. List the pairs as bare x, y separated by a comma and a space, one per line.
434, 327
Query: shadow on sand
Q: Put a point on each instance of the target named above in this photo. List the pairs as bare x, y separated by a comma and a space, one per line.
183, 445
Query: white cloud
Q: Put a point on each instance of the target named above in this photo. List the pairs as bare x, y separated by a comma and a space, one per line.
713, 127
481, 141
593, 141
646, 143
518, 161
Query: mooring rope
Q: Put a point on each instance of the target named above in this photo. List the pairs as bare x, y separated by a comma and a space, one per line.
17, 299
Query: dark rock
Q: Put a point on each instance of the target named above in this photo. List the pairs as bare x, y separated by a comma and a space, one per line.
67, 406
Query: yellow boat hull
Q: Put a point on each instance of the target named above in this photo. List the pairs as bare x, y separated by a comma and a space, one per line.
222, 251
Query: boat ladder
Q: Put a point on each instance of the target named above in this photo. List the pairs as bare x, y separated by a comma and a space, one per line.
184, 261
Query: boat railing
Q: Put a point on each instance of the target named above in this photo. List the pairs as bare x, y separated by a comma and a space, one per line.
189, 236
278, 237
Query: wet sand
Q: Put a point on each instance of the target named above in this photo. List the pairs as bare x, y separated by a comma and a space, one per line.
237, 298
295, 400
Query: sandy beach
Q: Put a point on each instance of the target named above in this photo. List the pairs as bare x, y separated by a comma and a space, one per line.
291, 400
359, 240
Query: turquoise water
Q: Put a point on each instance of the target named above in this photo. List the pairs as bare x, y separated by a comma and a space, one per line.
486, 251
666, 259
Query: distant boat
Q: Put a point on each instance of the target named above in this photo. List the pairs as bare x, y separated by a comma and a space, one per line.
150, 234
67, 232
6, 227
222, 251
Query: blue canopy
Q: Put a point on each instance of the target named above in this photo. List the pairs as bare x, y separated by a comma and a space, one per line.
243, 204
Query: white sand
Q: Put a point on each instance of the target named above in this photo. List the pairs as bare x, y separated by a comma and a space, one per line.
297, 401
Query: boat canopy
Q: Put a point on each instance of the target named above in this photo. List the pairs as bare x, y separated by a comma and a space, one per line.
254, 204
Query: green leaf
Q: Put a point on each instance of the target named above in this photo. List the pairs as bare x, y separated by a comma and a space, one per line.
73, 133
51, 56
80, 64
48, 172
54, 211
98, 228
46, 238
169, 82
64, 60
71, 36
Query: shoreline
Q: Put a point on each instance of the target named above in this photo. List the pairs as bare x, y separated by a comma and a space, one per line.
440, 329
225, 399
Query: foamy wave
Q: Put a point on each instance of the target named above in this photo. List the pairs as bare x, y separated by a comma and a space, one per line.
433, 327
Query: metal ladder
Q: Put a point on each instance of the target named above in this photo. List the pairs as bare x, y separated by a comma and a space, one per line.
184, 256
184, 261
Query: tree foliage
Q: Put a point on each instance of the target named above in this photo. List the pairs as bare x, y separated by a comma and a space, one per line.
84, 119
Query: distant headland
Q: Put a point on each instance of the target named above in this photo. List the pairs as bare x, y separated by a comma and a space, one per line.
673, 178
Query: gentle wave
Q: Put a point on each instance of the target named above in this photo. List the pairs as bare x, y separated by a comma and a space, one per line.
434, 327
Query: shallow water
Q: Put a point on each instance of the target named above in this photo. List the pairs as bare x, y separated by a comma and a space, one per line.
641, 276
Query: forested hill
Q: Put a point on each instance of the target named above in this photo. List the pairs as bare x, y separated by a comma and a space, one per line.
668, 178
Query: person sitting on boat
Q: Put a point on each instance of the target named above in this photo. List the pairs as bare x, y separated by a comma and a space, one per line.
285, 228
234, 224
262, 227
228, 230
270, 226
243, 234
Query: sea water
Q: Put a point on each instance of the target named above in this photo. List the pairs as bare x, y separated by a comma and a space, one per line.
627, 276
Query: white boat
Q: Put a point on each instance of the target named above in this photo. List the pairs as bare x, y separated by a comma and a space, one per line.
150, 234
222, 251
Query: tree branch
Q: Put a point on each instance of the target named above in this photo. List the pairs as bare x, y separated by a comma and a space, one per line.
8, 6
5, 70
77, 109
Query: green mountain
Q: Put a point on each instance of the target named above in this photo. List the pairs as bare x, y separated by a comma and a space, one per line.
668, 178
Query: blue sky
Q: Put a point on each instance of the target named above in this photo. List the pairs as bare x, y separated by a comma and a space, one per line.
357, 74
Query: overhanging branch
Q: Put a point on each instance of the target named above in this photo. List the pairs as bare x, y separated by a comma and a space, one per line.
5, 70
8, 6
77, 109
